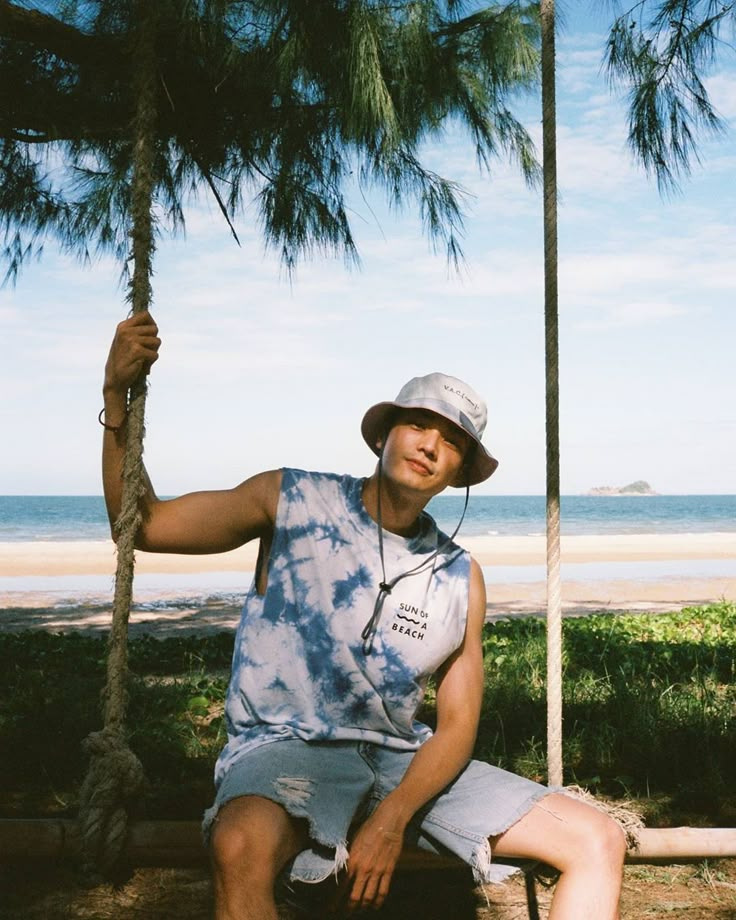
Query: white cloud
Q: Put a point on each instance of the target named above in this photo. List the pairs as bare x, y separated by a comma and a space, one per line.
635, 313
578, 71
594, 163
722, 90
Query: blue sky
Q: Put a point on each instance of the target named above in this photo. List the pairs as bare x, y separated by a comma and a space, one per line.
257, 373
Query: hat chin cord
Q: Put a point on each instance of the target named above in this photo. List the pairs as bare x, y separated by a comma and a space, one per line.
385, 586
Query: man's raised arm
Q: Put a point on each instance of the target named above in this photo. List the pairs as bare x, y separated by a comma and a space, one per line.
200, 522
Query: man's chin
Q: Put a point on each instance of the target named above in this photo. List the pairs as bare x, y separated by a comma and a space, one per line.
426, 486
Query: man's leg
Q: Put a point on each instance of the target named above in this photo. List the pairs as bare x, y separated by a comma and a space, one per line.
252, 839
583, 843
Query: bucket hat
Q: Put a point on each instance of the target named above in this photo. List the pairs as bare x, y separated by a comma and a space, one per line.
447, 396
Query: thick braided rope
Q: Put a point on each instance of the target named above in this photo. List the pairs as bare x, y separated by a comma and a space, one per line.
115, 777
113, 782
554, 648
554, 593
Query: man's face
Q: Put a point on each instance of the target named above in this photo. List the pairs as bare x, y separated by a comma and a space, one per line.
424, 451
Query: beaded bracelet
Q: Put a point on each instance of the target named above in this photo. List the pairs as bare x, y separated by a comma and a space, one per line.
113, 428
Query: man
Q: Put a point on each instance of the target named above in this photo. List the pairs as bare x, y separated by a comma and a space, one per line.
357, 598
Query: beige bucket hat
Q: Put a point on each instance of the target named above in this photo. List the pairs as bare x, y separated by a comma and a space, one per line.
447, 396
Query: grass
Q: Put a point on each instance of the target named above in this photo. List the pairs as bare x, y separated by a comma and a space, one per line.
649, 703
650, 711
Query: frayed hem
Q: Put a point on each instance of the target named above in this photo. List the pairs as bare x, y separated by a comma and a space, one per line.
480, 863
487, 870
339, 862
208, 819
296, 810
341, 857
523, 809
490, 871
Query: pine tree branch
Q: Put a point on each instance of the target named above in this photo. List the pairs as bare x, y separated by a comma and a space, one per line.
45, 31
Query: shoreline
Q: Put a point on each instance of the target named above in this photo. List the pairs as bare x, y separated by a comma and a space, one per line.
98, 557
68, 586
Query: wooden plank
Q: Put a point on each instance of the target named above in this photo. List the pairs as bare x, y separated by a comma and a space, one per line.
179, 843
673, 843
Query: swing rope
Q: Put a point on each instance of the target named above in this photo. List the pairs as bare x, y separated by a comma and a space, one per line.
115, 777
554, 587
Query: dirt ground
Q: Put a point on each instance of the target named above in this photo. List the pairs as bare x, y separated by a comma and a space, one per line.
705, 891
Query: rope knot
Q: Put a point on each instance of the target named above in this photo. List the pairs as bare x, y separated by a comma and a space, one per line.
114, 781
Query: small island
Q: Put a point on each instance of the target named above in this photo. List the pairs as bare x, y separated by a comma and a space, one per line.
640, 487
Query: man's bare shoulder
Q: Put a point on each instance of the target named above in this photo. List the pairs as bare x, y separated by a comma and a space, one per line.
260, 494
475, 569
476, 596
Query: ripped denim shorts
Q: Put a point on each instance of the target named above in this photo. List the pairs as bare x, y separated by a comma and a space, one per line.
336, 784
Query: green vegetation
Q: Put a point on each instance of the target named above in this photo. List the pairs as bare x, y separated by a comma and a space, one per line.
50, 699
650, 703
650, 710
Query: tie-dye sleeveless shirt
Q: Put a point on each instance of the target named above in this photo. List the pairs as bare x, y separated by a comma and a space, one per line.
299, 667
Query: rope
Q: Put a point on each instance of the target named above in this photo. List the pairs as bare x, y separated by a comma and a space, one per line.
554, 647
554, 593
113, 782
115, 776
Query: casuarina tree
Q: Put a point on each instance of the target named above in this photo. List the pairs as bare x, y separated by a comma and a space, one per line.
662, 52
274, 103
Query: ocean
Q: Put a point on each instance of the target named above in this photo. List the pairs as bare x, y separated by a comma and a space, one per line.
30, 518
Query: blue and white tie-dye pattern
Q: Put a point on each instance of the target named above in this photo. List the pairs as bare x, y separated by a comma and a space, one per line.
299, 670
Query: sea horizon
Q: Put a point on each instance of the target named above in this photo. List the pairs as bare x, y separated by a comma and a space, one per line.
589, 493
74, 518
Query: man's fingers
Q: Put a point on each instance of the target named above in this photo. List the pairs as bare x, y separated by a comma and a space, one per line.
355, 889
355, 893
145, 338
360, 899
142, 318
383, 888
376, 891
369, 890
142, 352
148, 338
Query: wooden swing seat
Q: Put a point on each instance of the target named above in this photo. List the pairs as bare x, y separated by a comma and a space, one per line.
178, 844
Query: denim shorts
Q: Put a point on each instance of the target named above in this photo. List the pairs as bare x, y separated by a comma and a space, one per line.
335, 785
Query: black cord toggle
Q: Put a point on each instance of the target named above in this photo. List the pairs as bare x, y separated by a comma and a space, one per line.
385, 588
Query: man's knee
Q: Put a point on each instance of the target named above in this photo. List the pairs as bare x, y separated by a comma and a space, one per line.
584, 837
234, 844
610, 841
598, 841
253, 836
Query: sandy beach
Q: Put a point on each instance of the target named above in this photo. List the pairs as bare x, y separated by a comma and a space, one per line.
48, 585
98, 558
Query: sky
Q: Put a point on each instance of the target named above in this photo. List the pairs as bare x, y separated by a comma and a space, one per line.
259, 372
